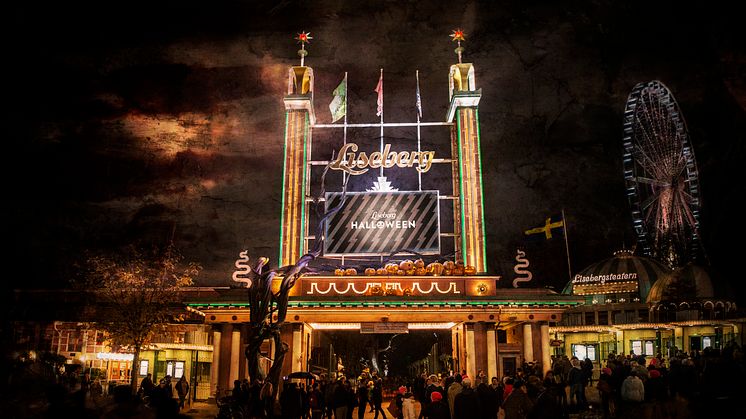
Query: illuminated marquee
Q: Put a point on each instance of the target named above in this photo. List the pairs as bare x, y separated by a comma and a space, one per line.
605, 284
358, 164
377, 223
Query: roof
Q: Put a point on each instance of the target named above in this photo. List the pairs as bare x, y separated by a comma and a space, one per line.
623, 272
690, 282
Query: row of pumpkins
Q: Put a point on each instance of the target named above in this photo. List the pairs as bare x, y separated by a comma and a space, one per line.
409, 268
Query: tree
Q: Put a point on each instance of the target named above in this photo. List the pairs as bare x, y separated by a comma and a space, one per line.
137, 295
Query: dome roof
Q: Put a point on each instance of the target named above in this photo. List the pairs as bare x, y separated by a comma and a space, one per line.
622, 273
690, 282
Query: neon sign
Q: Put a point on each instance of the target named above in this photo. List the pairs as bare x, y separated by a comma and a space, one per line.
348, 161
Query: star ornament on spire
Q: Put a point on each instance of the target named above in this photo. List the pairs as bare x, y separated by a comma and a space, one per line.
458, 35
304, 38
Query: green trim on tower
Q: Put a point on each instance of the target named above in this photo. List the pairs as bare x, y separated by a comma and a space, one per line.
301, 246
284, 170
481, 189
461, 187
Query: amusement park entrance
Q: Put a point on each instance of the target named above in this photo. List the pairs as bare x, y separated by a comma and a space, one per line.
397, 209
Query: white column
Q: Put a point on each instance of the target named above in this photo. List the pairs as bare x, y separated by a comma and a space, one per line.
235, 355
297, 364
528, 343
215, 367
471, 358
491, 354
546, 356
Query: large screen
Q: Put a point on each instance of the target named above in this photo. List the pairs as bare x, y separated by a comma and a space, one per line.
379, 223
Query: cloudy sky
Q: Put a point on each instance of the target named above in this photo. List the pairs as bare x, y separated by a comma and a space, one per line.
137, 122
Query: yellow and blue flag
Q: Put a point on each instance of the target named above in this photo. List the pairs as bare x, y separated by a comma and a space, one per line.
552, 226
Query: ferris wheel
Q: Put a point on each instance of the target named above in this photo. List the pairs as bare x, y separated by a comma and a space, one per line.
661, 176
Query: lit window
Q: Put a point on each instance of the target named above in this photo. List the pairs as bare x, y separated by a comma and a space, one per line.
637, 347
648, 347
144, 367
706, 342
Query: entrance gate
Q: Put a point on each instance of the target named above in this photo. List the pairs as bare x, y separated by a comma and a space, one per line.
493, 329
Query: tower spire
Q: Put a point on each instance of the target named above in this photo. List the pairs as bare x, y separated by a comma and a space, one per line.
458, 35
303, 38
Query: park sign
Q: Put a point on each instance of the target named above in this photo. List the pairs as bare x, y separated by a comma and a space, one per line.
356, 164
378, 223
623, 282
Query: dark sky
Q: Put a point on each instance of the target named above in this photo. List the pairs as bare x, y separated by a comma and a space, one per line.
134, 122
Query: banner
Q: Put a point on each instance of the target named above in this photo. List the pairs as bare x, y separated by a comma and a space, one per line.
378, 223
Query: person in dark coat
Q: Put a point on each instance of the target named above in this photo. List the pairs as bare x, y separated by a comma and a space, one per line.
518, 405
182, 389
146, 386
545, 403
606, 391
437, 409
339, 400
488, 400
291, 402
362, 396
466, 404
377, 396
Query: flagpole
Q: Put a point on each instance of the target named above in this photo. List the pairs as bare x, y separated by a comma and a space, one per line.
567, 247
417, 111
383, 158
344, 135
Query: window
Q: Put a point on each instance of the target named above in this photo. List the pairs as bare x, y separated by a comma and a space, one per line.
175, 368
637, 347
590, 317
603, 317
144, 367
643, 347
583, 351
706, 342
649, 348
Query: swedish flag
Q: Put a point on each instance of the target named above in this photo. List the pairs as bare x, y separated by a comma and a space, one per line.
549, 225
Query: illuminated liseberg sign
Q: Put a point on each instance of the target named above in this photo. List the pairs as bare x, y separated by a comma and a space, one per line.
356, 164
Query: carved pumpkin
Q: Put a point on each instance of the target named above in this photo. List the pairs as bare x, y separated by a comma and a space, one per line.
370, 271
350, 272
419, 263
391, 268
400, 272
447, 272
448, 265
470, 270
410, 272
420, 271
458, 270
382, 271
434, 269
339, 272
406, 265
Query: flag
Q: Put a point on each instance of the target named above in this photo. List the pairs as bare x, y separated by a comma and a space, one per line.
418, 103
338, 106
550, 226
379, 90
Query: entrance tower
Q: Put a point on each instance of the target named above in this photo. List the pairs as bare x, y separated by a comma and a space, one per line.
299, 117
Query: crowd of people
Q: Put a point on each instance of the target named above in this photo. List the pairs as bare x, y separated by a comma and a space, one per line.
621, 386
